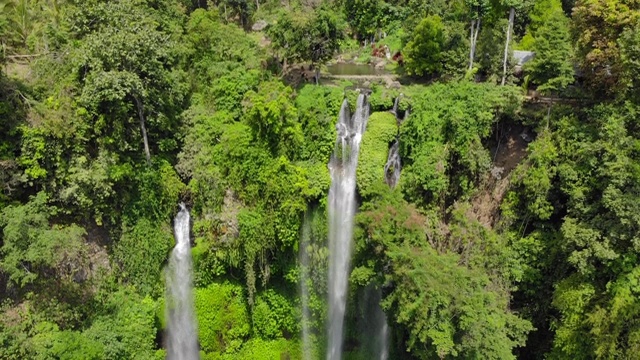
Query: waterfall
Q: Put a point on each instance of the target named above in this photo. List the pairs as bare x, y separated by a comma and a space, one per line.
182, 341
382, 328
372, 327
396, 102
305, 242
342, 208
384, 338
393, 166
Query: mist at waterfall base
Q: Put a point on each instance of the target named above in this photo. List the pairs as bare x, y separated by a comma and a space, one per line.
372, 324
181, 336
342, 208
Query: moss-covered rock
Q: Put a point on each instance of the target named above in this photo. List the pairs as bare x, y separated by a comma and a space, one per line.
381, 131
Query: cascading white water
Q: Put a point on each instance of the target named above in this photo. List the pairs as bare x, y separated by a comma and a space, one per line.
396, 102
393, 165
182, 341
342, 208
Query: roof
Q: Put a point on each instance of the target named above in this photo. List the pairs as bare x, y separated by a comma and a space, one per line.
523, 56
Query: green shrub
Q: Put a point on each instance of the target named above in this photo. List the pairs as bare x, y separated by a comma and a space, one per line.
318, 108
152, 240
380, 133
273, 316
157, 192
223, 321
257, 349
126, 327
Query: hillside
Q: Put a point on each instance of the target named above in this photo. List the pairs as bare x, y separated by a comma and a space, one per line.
230, 161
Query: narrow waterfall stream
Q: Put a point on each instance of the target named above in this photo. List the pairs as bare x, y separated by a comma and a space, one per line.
182, 341
342, 208
393, 165
396, 102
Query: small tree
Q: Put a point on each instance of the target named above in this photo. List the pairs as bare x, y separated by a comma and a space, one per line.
364, 16
423, 53
313, 38
124, 66
552, 69
629, 44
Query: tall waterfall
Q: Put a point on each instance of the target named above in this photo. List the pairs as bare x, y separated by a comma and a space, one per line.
342, 208
182, 341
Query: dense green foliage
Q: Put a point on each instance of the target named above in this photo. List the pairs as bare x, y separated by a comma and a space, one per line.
512, 233
381, 131
446, 130
424, 50
310, 37
552, 68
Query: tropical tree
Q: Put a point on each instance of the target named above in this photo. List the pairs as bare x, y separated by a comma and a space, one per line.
314, 37
629, 43
552, 66
477, 9
124, 66
364, 16
33, 249
423, 53
597, 25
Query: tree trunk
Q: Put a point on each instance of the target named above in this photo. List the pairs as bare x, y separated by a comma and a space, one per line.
474, 41
475, 37
512, 14
473, 23
257, 5
143, 129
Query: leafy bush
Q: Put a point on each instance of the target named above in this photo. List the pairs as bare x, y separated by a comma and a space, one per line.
223, 321
318, 108
157, 191
126, 326
273, 316
259, 349
148, 238
32, 248
67, 345
430, 287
